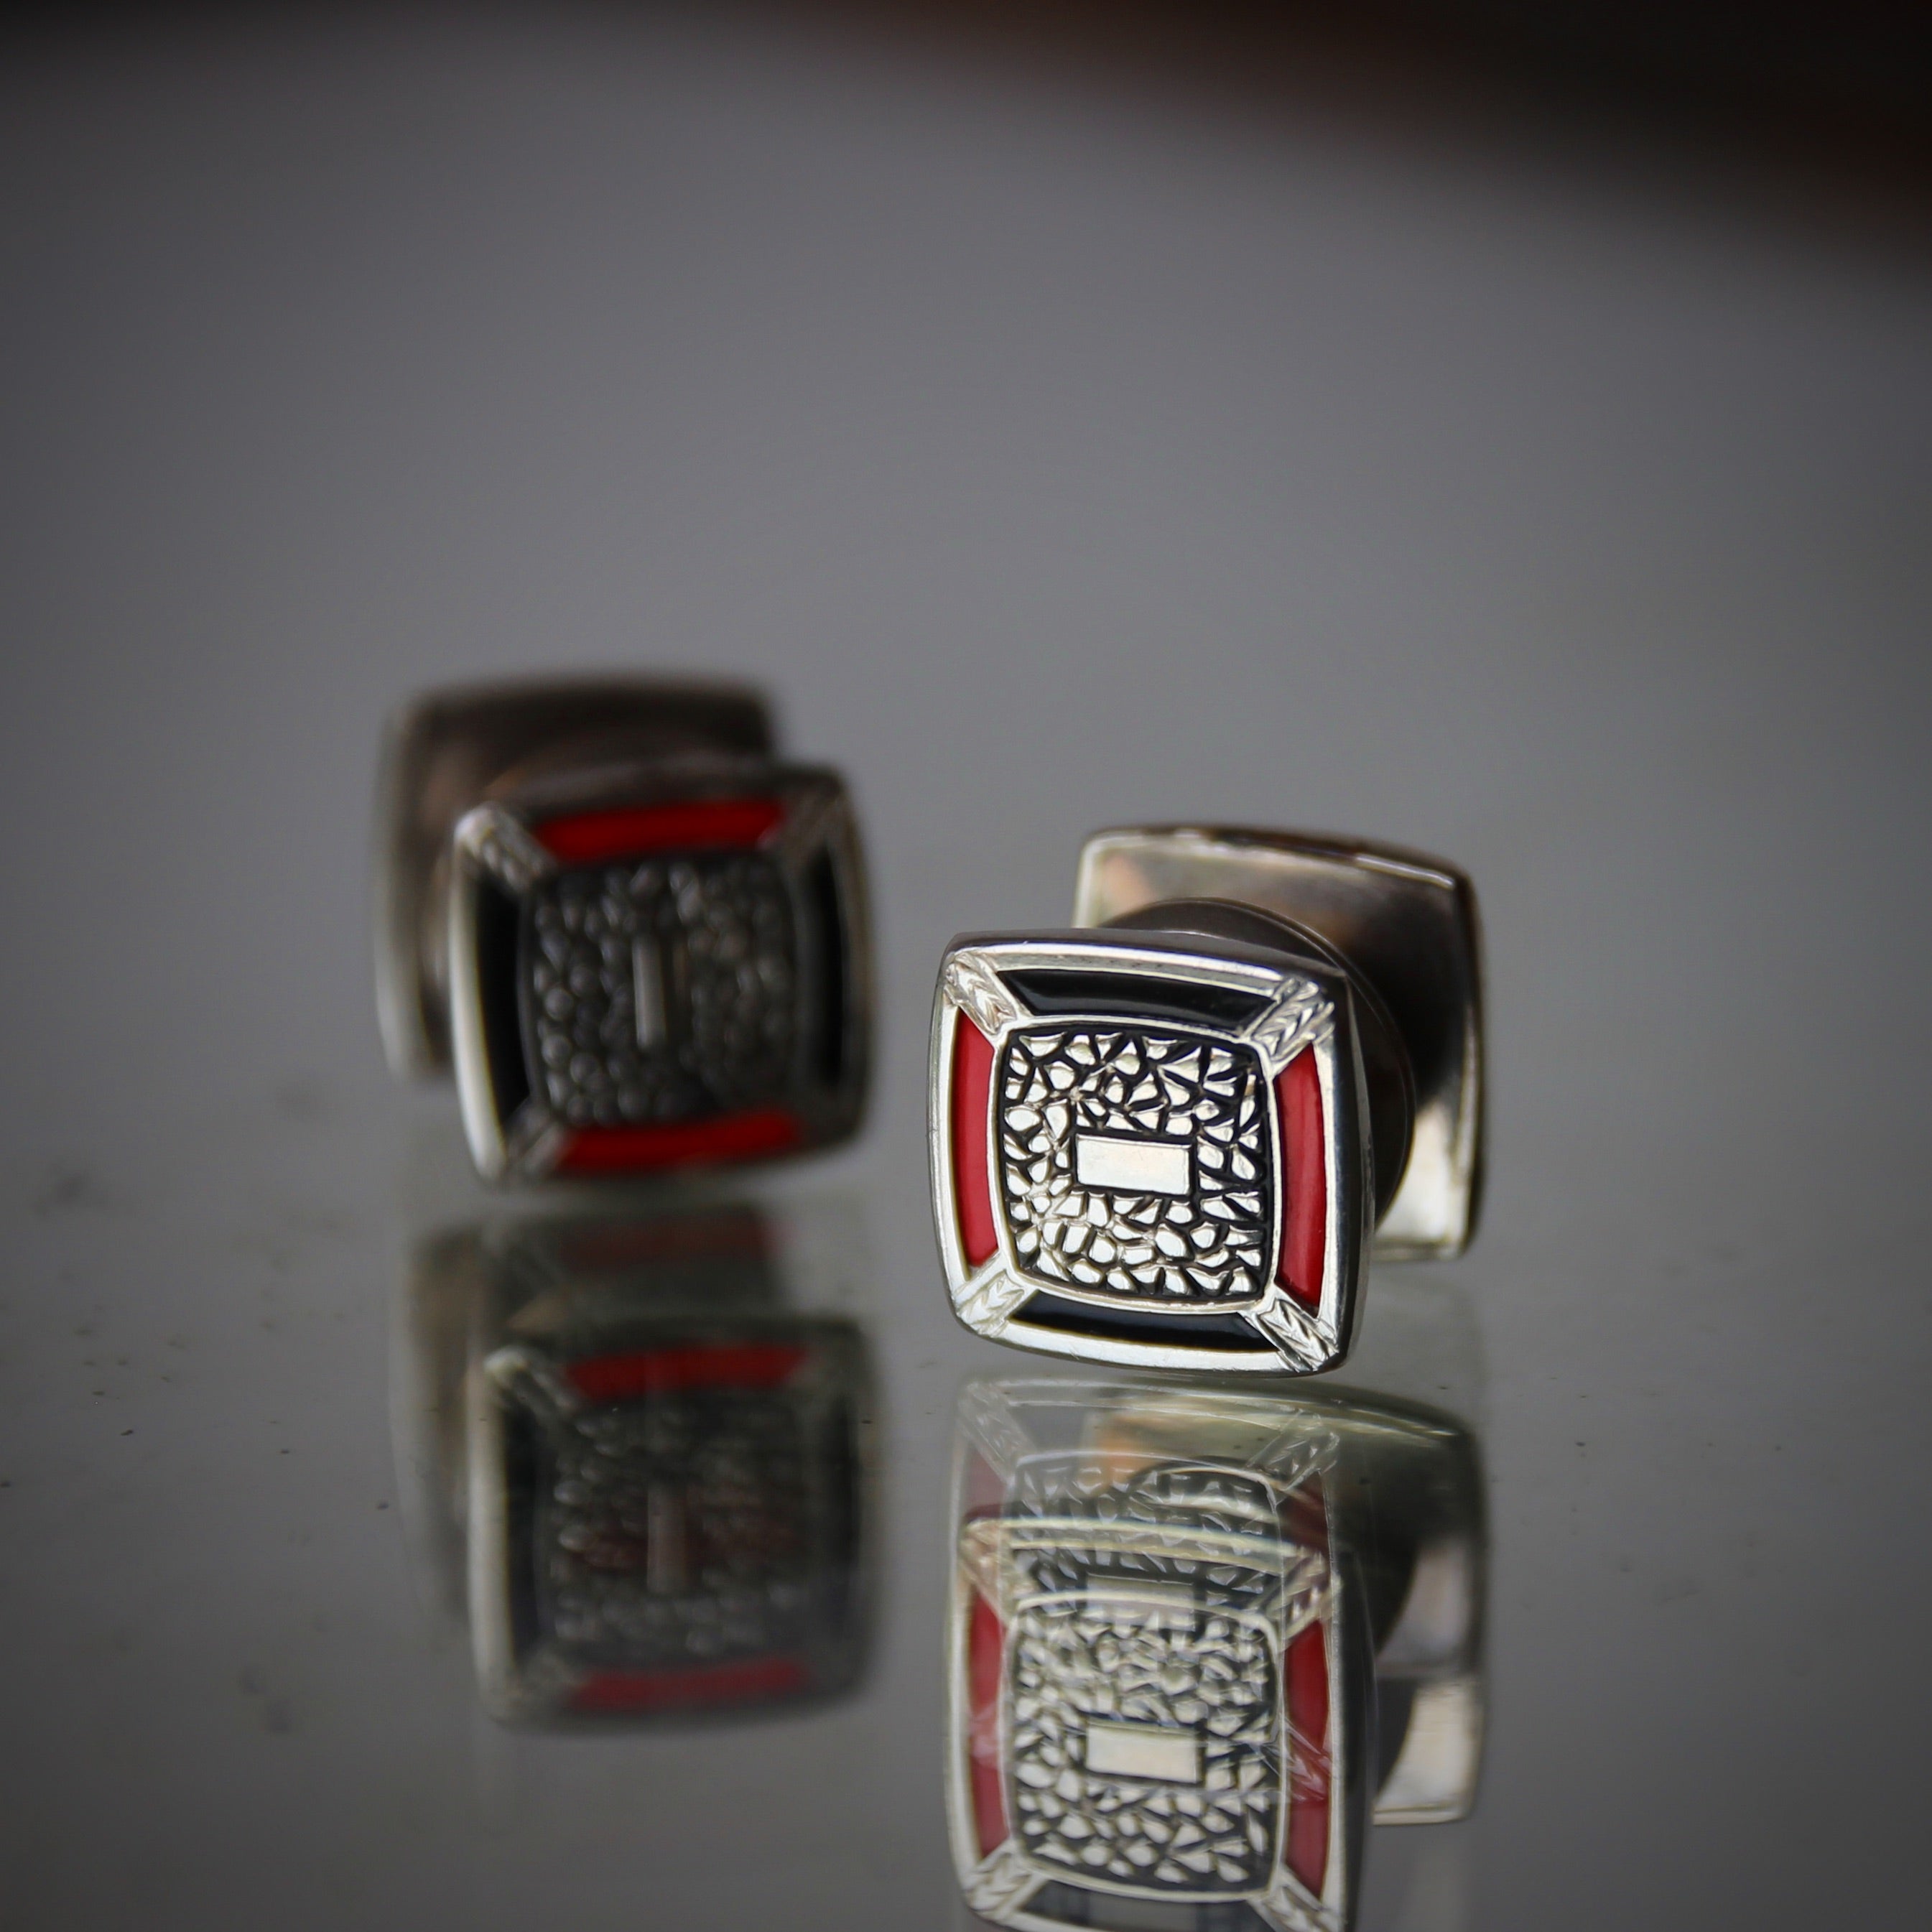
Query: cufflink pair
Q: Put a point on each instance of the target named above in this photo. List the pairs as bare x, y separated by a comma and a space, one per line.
1170, 1136
638, 938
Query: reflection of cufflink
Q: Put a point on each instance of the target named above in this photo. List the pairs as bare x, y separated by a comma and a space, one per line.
1166, 1138
640, 941
1198, 1641
656, 1468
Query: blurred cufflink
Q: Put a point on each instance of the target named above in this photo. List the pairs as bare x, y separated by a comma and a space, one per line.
640, 940
637, 1469
1167, 1137
1197, 1643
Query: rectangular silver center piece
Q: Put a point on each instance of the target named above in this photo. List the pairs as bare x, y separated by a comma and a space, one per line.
1131, 1167
1143, 1750
647, 991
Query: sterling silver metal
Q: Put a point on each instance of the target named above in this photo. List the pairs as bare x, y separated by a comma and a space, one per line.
1123, 1118
638, 939
1196, 1642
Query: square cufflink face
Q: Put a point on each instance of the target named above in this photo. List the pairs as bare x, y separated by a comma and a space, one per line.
666, 1518
659, 964
1408, 921
1155, 1710
1150, 1149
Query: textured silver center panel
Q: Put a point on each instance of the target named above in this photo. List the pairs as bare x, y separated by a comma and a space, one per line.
1163, 1105
1204, 1689
676, 1531
662, 990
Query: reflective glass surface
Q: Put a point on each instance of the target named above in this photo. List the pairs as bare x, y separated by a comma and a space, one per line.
378, 1550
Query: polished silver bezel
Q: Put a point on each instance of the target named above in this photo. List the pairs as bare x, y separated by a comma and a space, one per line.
493, 844
1308, 1007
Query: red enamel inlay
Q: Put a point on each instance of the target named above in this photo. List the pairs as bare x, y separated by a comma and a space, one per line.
611, 1691
972, 1102
1305, 1854
1304, 1224
692, 824
758, 1365
985, 1650
731, 1137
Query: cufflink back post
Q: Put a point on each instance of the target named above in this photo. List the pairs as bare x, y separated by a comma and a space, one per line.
639, 939
1168, 1136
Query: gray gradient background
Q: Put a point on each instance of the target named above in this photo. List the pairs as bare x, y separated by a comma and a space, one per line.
1061, 456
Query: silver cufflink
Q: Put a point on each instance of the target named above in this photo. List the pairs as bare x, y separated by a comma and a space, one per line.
638, 939
1198, 1641
643, 1470
1170, 1134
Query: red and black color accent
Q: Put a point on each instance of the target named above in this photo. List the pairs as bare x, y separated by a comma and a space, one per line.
1133, 1165
1304, 1161
661, 980
629, 832
972, 1108
1184, 1678
985, 1677
1311, 1759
